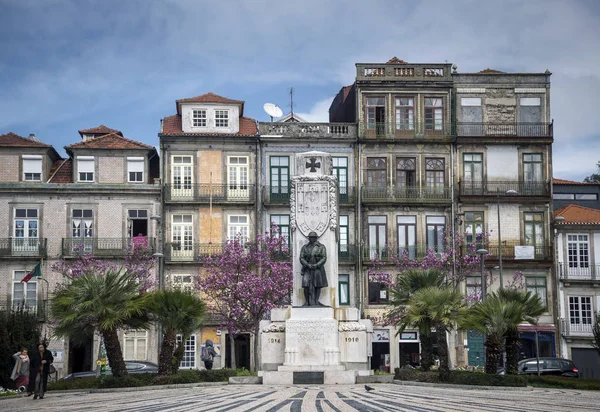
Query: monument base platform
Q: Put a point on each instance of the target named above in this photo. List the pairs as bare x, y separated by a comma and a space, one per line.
312, 377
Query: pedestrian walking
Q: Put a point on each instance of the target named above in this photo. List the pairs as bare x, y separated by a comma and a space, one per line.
208, 354
40, 362
20, 372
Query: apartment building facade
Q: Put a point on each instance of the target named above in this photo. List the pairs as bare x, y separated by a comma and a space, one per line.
96, 201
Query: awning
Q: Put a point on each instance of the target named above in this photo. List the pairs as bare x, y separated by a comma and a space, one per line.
538, 328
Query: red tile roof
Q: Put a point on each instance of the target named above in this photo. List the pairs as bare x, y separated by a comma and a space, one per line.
209, 97
490, 71
100, 130
109, 141
395, 60
578, 215
11, 139
571, 182
172, 126
62, 171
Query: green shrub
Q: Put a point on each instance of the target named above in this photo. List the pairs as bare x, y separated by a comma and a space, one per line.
406, 374
245, 372
563, 382
483, 379
128, 381
83, 383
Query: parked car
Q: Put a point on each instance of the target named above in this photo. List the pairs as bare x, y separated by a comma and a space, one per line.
549, 366
132, 367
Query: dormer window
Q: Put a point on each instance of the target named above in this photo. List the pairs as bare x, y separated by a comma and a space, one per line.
199, 117
87, 137
221, 118
135, 169
85, 168
32, 168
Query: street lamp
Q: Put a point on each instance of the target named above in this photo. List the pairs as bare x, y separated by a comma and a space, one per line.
508, 192
482, 253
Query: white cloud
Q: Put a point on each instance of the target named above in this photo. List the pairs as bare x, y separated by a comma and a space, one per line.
319, 112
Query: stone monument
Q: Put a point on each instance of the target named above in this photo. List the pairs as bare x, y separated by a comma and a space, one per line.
314, 340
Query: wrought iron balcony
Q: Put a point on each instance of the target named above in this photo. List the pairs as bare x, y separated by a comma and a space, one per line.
347, 254
308, 130
577, 328
347, 195
504, 188
276, 195
416, 131
591, 272
511, 250
500, 130
390, 254
23, 247
206, 192
415, 195
105, 247
191, 252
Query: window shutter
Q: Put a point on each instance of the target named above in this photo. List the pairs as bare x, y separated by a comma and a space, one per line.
135, 164
85, 164
32, 164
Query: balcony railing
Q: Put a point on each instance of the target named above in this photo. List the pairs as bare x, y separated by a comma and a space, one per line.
347, 254
578, 329
504, 129
206, 192
591, 272
347, 195
406, 194
104, 247
389, 253
511, 251
22, 247
191, 252
390, 130
276, 195
308, 130
504, 188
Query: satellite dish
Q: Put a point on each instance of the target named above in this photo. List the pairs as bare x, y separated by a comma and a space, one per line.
272, 110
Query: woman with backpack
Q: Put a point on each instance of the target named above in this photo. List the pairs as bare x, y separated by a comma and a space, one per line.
208, 354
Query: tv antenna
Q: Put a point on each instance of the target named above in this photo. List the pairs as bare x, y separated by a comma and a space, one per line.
292, 101
272, 110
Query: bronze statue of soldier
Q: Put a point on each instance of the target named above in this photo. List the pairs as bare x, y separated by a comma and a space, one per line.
313, 256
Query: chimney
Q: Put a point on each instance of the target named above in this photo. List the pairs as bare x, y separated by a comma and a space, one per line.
33, 137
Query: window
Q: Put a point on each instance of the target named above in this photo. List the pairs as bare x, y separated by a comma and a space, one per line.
25, 231
376, 183
189, 352
182, 236
472, 173
343, 246
85, 168
199, 117
378, 293
586, 196
580, 313
237, 177
530, 110
375, 107
407, 236
435, 232
283, 222
405, 107
532, 168
340, 170
136, 342
24, 294
82, 229
137, 219
238, 228
221, 118
534, 231
181, 175
344, 289
406, 172
473, 288
280, 177
578, 250
32, 168
135, 169
433, 113
182, 282
563, 196
377, 237
474, 229
537, 286
434, 175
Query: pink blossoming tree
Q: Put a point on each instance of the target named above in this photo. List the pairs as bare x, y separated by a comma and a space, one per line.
246, 281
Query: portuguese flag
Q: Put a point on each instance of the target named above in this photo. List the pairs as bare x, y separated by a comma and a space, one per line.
35, 273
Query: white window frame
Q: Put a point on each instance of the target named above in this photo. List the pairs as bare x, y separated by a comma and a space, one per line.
135, 169
238, 177
182, 176
27, 241
188, 361
221, 118
199, 118
182, 233
138, 337
238, 225
28, 287
32, 168
583, 318
183, 282
83, 166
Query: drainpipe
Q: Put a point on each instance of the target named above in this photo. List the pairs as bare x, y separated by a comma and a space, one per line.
358, 229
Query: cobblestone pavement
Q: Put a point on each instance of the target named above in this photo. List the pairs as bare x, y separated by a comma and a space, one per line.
385, 397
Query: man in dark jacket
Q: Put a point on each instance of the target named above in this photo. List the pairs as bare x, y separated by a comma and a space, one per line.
39, 368
208, 354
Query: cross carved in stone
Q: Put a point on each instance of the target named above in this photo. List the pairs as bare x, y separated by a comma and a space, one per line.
313, 165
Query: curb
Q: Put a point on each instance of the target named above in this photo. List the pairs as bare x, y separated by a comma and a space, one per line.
467, 387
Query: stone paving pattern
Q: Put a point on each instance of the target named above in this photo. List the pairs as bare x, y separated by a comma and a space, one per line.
326, 398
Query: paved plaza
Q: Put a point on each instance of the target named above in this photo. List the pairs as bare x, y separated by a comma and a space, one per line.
325, 398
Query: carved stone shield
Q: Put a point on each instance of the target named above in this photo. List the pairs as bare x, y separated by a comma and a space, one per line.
312, 206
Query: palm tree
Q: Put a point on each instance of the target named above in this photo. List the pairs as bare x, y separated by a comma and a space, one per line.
439, 307
100, 302
177, 312
406, 285
532, 309
493, 317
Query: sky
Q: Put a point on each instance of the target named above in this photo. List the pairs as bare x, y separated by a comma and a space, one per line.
70, 65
